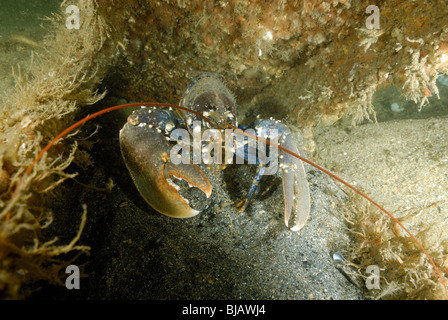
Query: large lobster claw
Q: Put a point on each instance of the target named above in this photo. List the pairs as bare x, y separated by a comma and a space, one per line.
295, 185
145, 147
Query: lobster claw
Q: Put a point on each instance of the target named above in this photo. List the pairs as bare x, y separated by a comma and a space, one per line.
167, 187
296, 191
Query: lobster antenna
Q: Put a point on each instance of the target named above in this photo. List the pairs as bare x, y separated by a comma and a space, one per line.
439, 274
19, 187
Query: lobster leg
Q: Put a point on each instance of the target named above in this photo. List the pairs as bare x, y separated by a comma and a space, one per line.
253, 188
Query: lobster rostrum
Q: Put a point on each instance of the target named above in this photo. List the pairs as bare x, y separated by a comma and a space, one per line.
182, 189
